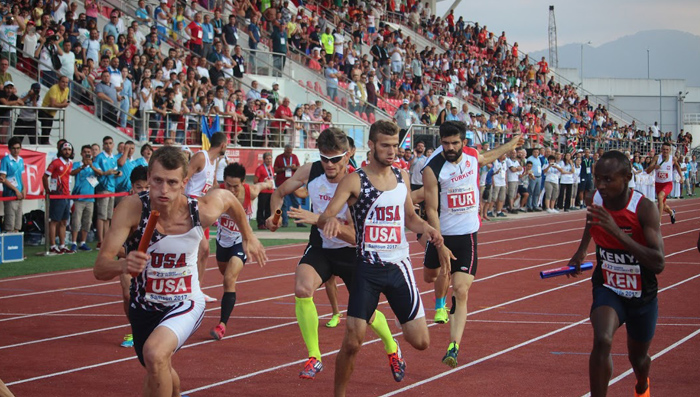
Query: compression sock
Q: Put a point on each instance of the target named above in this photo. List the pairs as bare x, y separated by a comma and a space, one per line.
307, 317
440, 303
381, 328
227, 303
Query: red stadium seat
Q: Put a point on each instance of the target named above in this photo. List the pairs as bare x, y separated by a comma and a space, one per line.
310, 85
357, 114
363, 116
344, 102
337, 100
372, 119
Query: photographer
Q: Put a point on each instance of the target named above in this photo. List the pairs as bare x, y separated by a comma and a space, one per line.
49, 53
26, 120
85, 181
8, 36
8, 97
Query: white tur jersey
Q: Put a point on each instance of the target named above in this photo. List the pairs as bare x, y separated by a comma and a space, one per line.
380, 220
321, 191
170, 276
200, 183
458, 192
665, 172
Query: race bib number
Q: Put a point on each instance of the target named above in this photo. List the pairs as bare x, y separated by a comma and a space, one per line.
382, 236
663, 175
167, 286
461, 200
624, 280
206, 188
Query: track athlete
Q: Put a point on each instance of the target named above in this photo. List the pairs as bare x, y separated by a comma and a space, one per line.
451, 185
629, 254
325, 256
230, 256
380, 204
201, 176
167, 304
663, 167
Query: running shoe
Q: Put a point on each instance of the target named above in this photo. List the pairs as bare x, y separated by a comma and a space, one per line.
218, 332
128, 341
334, 321
84, 247
56, 251
646, 393
311, 368
208, 299
397, 363
673, 216
67, 250
441, 316
74, 247
451, 356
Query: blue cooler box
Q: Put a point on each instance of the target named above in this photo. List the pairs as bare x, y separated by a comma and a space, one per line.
12, 247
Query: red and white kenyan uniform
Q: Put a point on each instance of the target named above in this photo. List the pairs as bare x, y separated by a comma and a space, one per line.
617, 269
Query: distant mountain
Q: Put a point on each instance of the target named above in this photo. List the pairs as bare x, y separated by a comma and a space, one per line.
672, 55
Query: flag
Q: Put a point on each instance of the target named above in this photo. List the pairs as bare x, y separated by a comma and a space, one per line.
407, 141
208, 129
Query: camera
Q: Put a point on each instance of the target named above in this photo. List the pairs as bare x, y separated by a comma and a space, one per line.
53, 37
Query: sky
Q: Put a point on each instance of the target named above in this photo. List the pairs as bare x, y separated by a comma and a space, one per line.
597, 21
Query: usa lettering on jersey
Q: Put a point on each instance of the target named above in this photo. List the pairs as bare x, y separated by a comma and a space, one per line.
383, 229
168, 279
622, 273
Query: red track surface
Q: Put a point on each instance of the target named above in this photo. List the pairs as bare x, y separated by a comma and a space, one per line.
524, 336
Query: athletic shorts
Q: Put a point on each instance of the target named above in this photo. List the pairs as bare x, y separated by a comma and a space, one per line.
59, 210
331, 262
665, 187
463, 247
640, 320
224, 254
395, 280
182, 318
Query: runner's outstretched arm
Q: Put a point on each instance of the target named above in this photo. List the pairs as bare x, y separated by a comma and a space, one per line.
348, 189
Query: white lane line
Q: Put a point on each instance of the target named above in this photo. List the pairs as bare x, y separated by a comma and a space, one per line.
507, 350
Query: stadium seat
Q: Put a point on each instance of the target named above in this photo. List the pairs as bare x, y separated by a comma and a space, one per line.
337, 100
344, 102
372, 119
309, 85
127, 130
363, 116
357, 114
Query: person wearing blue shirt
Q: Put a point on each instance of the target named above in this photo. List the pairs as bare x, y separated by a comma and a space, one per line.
85, 174
207, 36
11, 170
253, 39
331, 74
146, 152
534, 185
107, 163
127, 94
125, 163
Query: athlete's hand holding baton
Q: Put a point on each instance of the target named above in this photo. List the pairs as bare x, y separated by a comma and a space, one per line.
136, 260
273, 223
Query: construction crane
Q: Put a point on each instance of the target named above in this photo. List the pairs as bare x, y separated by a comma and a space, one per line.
553, 56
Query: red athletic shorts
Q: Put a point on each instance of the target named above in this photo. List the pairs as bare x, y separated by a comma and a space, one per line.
665, 187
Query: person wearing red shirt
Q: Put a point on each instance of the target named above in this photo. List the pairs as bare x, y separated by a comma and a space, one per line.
279, 127
286, 165
263, 173
56, 180
194, 29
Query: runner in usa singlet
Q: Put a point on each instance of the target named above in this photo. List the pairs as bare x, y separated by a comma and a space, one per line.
379, 221
617, 269
170, 276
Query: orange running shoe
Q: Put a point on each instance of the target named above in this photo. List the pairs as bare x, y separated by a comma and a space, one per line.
646, 393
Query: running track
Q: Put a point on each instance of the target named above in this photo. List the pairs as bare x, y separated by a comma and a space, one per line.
60, 331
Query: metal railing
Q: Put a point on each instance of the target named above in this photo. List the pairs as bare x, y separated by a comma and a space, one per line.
33, 122
261, 131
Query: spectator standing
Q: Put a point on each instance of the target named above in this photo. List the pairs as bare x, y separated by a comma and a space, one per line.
48, 54
127, 96
331, 74
253, 39
85, 181
26, 122
230, 33
586, 184
196, 33
207, 36
566, 182
286, 164
417, 162
56, 180
513, 171
9, 31
283, 112
279, 48
67, 61
551, 184
263, 173
125, 164
534, 185
328, 43
498, 191
57, 97
11, 170
404, 117
106, 162
108, 99
8, 97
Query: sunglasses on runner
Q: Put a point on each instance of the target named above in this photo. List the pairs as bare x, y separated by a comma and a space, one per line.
334, 159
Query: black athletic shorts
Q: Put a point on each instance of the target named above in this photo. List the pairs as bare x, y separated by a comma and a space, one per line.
522, 190
640, 320
224, 254
395, 281
463, 248
331, 262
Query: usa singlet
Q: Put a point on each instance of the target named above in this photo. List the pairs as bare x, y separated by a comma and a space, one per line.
379, 221
170, 276
321, 191
617, 269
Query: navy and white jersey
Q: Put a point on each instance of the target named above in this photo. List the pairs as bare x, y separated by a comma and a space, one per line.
321, 191
379, 221
227, 232
458, 192
170, 276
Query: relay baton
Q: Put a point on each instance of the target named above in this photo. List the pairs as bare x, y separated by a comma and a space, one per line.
148, 233
276, 218
560, 271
